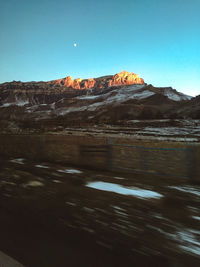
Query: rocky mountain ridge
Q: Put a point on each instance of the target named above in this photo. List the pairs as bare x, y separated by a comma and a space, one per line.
116, 99
122, 78
21, 93
33, 93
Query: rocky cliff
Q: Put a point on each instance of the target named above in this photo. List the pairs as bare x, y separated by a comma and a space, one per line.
119, 79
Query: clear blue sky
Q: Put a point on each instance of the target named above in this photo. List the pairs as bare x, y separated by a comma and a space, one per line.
157, 39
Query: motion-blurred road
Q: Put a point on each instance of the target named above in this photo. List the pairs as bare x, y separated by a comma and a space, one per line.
58, 215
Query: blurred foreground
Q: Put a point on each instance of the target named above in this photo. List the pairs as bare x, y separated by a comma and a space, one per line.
57, 214
53, 215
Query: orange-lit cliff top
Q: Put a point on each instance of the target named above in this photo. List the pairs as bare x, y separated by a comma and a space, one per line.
126, 78
122, 78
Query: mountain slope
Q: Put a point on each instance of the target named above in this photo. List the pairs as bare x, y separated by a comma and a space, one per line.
189, 109
108, 99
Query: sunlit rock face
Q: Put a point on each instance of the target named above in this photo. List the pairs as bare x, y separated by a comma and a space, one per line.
125, 78
76, 83
87, 84
59, 82
119, 79
91, 83
68, 81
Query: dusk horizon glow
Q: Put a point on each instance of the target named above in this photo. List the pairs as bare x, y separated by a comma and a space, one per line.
47, 40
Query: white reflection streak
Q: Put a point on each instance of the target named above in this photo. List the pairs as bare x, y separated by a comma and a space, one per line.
132, 191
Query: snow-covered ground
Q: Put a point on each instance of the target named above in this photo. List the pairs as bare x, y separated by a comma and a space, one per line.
117, 96
17, 102
130, 191
171, 131
176, 96
114, 97
185, 131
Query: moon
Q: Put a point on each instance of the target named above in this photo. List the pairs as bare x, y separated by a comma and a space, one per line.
75, 44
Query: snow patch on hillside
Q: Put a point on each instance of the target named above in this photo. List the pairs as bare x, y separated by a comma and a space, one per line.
112, 98
18, 102
88, 97
171, 131
176, 96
